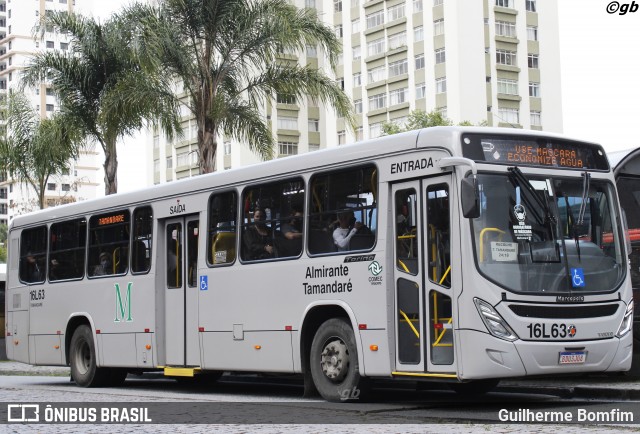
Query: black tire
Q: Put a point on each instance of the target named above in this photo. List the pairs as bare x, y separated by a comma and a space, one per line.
474, 388
334, 363
82, 357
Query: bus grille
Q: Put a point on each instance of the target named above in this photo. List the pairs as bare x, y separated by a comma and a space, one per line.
568, 312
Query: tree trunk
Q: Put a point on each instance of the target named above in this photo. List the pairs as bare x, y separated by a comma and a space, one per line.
207, 147
110, 169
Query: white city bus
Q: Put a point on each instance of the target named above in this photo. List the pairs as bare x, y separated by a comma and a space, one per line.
463, 255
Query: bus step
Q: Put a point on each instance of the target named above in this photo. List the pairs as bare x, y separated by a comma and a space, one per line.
170, 371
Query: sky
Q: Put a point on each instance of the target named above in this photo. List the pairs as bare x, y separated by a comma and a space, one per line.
600, 78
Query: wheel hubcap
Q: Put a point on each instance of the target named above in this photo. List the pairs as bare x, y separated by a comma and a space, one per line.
335, 360
83, 358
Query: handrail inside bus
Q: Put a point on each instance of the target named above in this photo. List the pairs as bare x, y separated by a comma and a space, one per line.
482, 232
406, 318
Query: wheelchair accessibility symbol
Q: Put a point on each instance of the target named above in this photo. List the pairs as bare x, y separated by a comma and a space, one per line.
577, 277
204, 283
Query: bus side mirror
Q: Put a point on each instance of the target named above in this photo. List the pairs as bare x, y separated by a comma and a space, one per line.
470, 198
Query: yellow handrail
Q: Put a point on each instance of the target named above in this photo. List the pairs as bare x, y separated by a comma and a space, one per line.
482, 232
409, 322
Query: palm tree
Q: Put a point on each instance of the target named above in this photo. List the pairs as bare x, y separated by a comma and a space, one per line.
101, 86
34, 149
227, 55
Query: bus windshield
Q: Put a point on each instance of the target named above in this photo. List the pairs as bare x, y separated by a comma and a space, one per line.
541, 235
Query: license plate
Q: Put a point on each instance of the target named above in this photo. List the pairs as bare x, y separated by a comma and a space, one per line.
572, 357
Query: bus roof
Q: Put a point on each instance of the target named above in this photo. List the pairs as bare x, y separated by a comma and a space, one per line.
625, 162
442, 137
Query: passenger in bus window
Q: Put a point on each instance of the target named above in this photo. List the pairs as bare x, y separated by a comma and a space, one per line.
258, 239
292, 232
104, 267
344, 232
34, 270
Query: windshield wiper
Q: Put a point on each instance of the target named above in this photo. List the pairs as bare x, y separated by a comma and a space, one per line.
523, 181
586, 182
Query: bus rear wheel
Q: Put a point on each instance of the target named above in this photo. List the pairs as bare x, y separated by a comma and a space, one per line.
82, 356
334, 362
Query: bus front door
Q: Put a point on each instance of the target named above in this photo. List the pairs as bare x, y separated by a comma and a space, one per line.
181, 292
422, 276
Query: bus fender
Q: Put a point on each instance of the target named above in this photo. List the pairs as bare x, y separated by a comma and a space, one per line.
74, 317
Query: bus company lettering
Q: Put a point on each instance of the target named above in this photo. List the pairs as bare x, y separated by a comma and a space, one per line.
123, 305
411, 165
328, 287
178, 208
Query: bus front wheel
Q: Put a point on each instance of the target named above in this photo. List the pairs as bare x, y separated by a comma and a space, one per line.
334, 362
82, 356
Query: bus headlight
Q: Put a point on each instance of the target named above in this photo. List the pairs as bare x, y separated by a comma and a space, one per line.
496, 325
627, 321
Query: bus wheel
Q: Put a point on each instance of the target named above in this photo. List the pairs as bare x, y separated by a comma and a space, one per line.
82, 356
334, 362
474, 388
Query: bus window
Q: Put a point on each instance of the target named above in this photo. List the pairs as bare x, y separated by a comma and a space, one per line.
142, 239
407, 241
438, 256
343, 210
222, 228
108, 244
33, 255
67, 250
272, 221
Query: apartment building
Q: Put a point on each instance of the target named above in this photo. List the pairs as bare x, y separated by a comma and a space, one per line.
483, 61
17, 44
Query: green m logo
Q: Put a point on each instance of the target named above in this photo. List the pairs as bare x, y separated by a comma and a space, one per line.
123, 307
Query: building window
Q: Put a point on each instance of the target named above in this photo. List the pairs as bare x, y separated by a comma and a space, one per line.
504, 3
286, 99
398, 68
533, 61
227, 148
396, 12
287, 123
536, 119
312, 51
156, 142
504, 57
359, 134
509, 115
438, 27
417, 6
357, 79
338, 30
420, 61
375, 47
66, 187
437, 2
357, 106
314, 147
314, 125
507, 29
441, 85
50, 107
337, 5
440, 55
355, 25
398, 40
64, 46
169, 162
342, 137
357, 52
534, 89
51, 186
50, 44
310, 4
375, 19
375, 130
287, 148
398, 96
418, 34
506, 86
376, 74
531, 5
378, 101
532, 33
421, 90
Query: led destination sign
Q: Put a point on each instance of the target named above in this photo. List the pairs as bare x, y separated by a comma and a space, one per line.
534, 151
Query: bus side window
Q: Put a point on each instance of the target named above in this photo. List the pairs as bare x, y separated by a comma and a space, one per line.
438, 234
142, 240
221, 248
109, 244
33, 255
67, 249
